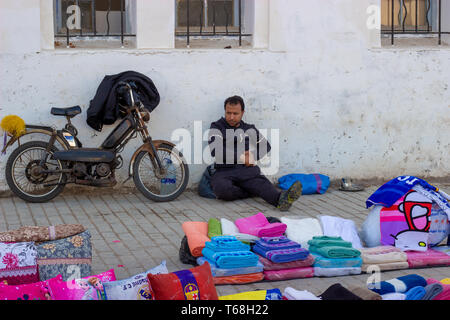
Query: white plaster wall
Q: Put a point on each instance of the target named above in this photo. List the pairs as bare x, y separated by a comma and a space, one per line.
20, 35
343, 108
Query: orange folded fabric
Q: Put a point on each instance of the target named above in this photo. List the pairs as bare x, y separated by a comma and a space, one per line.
239, 278
197, 234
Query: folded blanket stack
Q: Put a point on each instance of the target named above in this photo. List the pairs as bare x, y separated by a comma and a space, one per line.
228, 252
231, 261
283, 258
334, 256
280, 249
429, 258
383, 258
258, 225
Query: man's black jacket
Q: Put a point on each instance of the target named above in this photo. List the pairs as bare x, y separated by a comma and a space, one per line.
227, 148
104, 109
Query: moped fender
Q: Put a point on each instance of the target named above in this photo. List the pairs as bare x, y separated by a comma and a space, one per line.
148, 148
30, 129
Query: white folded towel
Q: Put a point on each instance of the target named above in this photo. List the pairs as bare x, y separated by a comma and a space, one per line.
230, 229
293, 294
393, 296
301, 230
340, 227
335, 272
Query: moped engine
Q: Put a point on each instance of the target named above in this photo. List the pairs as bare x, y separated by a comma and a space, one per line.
79, 170
102, 169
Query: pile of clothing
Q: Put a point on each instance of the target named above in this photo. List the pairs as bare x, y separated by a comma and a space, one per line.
283, 258
334, 256
231, 261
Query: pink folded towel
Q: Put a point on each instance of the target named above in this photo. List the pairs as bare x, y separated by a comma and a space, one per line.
257, 225
285, 274
429, 258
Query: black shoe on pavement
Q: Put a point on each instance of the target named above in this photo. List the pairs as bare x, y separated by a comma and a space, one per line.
288, 197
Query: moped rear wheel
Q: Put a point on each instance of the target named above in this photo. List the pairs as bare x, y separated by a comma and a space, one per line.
154, 186
25, 176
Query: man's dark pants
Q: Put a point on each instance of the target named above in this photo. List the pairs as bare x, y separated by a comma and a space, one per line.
242, 182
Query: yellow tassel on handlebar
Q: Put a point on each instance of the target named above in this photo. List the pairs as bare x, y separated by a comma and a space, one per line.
14, 125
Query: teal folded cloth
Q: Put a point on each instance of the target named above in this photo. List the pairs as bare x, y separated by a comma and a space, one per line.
326, 241
231, 259
226, 243
415, 293
335, 252
323, 262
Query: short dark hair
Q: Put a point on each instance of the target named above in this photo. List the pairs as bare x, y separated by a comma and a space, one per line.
234, 100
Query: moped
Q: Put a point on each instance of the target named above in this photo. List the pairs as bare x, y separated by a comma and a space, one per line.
37, 171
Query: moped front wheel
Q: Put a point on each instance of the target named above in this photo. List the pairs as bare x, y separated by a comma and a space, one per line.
30, 168
157, 186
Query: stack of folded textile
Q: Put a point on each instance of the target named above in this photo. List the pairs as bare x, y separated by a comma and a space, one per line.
429, 258
334, 257
33, 253
383, 258
258, 225
231, 261
283, 258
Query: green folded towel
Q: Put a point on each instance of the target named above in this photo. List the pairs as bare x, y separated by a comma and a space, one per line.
325, 241
335, 252
214, 228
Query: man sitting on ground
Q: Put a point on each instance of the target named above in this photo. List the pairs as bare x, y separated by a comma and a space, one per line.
236, 145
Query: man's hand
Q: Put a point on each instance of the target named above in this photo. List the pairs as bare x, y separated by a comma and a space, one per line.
248, 159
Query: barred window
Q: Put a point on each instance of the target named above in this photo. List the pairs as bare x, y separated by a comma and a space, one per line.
223, 20
94, 23
413, 17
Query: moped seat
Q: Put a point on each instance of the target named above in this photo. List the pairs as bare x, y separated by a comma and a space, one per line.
84, 155
68, 112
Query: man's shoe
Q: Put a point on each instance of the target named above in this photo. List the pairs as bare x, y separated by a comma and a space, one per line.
288, 197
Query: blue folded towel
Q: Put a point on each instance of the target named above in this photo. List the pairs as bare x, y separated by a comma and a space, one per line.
415, 293
399, 285
226, 243
224, 272
231, 259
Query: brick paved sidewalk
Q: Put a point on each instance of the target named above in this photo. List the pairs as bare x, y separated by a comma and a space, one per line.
132, 234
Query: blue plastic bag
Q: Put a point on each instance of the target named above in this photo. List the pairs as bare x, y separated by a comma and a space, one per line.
311, 183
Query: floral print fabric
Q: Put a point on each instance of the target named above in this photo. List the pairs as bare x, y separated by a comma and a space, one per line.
41, 234
18, 262
71, 257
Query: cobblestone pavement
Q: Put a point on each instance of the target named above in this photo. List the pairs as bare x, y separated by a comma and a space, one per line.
132, 234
